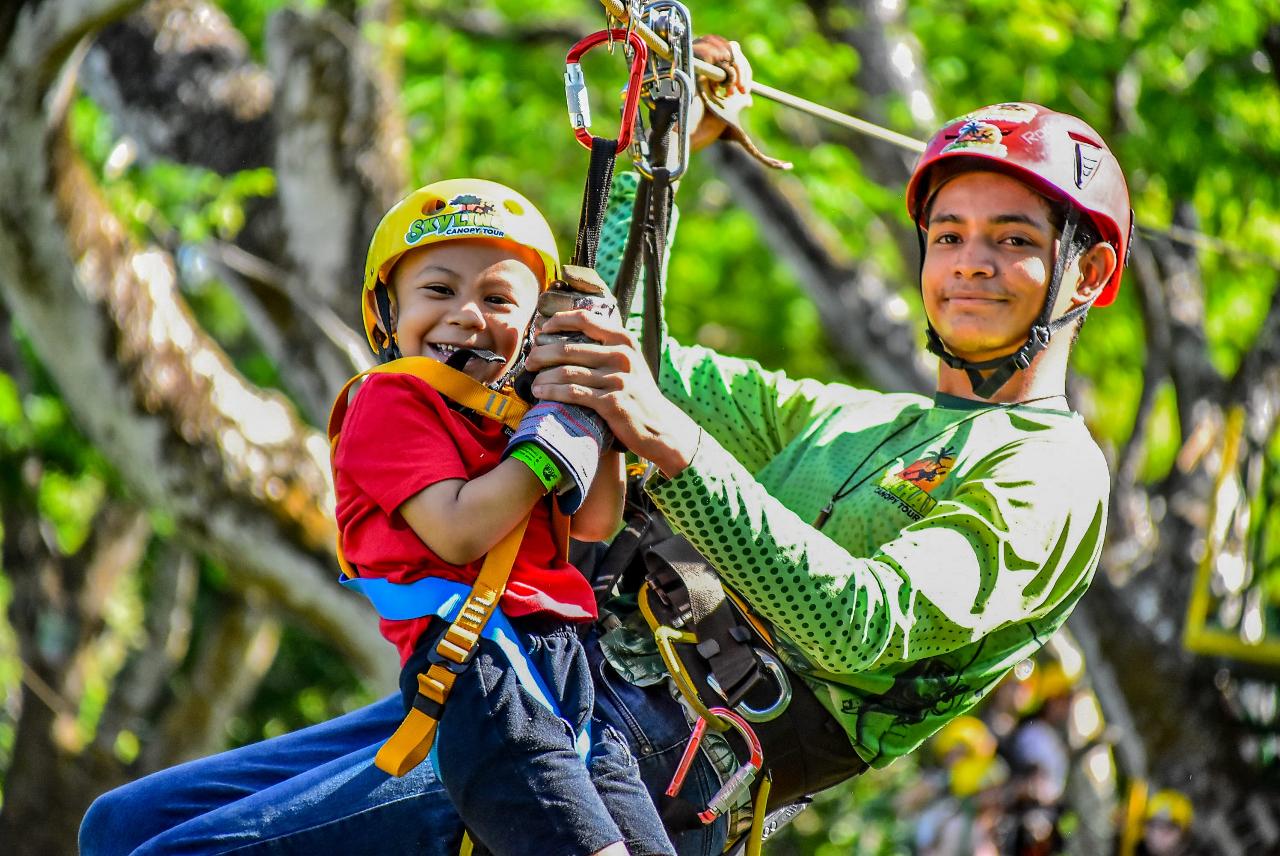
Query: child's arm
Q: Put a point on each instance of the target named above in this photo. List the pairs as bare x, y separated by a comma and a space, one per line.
601, 511
461, 520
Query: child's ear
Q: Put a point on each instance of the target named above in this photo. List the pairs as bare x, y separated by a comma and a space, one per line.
371, 300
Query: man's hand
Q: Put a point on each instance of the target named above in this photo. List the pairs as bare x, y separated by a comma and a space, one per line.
717, 111
609, 375
730, 97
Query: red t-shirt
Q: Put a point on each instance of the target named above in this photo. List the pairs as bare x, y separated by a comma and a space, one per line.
399, 437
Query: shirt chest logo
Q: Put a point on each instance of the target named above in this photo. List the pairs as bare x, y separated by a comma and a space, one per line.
909, 488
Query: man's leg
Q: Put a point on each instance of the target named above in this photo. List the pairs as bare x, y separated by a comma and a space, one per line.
286, 786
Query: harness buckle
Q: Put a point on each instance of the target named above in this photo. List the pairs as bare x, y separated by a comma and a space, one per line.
737, 783
576, 89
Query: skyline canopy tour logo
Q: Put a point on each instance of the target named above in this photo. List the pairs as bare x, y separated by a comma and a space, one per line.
464, 215
909, 488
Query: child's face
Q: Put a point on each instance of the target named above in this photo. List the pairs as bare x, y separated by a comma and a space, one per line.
468, 293
988, 257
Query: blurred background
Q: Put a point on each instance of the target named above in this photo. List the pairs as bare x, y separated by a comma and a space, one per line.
187, 189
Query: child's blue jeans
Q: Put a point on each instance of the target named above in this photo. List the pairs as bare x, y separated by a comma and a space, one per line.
524, 759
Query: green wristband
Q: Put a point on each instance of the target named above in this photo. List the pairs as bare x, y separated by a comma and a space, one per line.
532, 456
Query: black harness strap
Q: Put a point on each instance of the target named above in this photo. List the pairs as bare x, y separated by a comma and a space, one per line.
389, 351
595, 199
647, 237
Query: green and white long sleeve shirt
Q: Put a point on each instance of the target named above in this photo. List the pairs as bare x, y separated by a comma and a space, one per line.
963, 535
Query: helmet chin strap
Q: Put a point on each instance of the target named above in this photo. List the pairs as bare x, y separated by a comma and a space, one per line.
391, 350
1003, 368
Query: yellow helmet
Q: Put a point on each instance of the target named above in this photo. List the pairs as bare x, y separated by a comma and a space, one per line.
449, 210
1173, 806
967, 732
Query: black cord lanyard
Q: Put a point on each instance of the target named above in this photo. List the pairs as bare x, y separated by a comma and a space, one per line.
845, 489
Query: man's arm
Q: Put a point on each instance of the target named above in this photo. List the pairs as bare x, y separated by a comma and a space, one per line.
748, 409
1019, 537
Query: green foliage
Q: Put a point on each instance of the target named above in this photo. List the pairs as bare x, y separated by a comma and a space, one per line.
306, 685
1181, 90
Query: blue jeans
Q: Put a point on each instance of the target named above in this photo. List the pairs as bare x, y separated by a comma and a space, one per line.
317, 791
524, 758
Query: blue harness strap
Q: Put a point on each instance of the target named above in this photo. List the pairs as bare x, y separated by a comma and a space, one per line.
443, 598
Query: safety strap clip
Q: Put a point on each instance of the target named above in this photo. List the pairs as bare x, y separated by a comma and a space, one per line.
777, 706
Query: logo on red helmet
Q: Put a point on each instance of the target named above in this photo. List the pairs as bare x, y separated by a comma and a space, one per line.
1088, 156
977, 136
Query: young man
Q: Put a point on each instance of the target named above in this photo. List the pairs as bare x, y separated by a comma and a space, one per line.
906, 551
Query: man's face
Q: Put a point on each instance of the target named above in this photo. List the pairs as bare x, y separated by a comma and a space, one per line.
467, 293
989, 253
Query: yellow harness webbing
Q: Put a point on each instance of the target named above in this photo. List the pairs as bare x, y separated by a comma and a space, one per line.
412, 740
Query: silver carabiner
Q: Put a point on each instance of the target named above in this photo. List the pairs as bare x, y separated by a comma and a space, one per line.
670, 78
779, 675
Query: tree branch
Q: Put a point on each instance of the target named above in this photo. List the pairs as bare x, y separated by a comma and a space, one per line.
1256, 383
184, 58
234, 656
867, 323
236, 470
890, 75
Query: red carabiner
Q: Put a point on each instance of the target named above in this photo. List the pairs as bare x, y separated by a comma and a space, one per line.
576, 88
735, 784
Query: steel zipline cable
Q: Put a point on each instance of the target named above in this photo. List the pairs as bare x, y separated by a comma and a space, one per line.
620, 11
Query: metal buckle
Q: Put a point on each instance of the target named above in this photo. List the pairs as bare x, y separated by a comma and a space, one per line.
575, 85
779, 675
741, 779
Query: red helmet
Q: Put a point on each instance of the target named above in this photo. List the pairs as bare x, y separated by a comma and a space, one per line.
1057, 155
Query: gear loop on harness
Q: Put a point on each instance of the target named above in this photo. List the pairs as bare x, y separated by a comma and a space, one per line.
576, 87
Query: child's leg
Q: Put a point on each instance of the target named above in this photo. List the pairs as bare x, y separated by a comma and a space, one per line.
509, 764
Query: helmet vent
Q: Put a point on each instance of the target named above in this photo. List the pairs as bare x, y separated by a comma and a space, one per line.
514, 207
433, 205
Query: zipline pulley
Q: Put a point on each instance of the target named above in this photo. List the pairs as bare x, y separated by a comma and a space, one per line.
669, 79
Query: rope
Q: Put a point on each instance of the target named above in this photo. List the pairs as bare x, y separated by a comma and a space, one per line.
618, 10
1189, 237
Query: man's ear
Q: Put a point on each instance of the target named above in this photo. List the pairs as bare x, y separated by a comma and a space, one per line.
1096, 265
